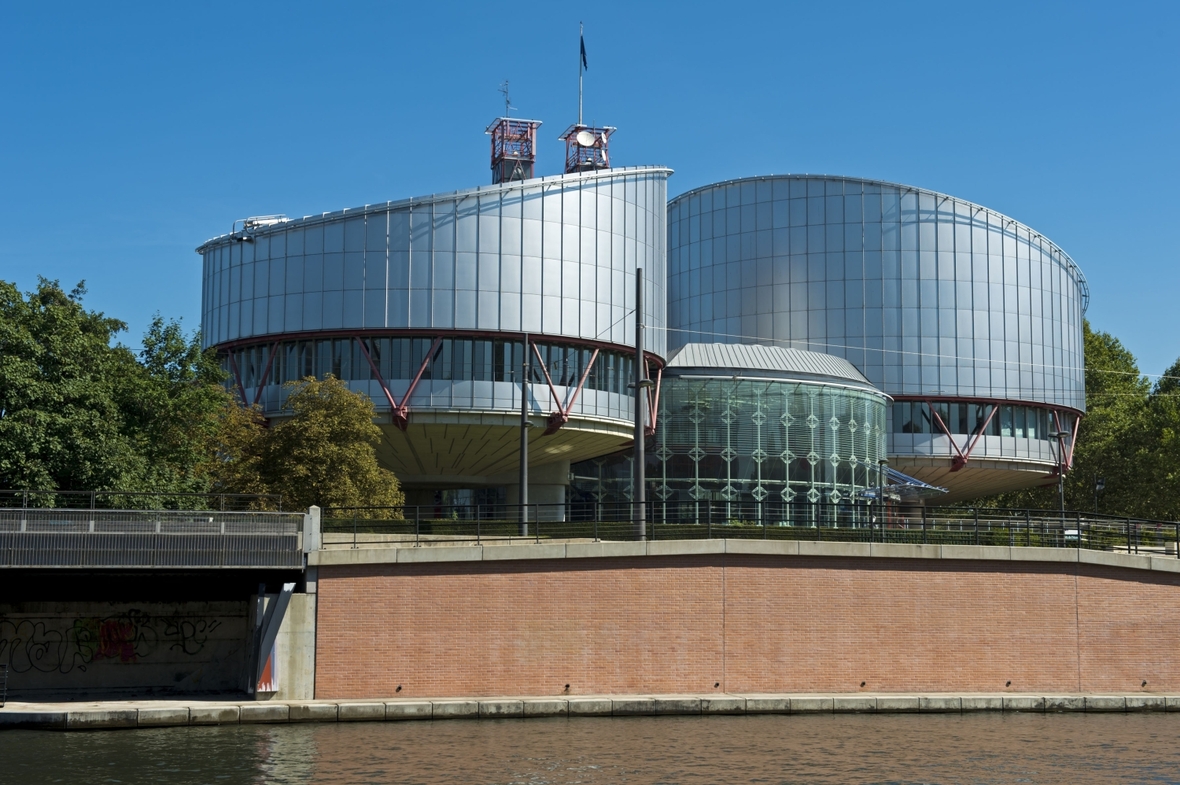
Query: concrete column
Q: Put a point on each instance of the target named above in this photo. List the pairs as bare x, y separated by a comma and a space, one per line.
547, 488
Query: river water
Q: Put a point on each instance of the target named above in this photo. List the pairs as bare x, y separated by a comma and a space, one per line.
973, 748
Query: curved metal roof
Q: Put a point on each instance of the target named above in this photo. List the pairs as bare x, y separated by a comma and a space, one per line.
768, 361
1061, 255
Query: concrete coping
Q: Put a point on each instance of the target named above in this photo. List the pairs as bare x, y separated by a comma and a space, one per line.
407, 553
156, 714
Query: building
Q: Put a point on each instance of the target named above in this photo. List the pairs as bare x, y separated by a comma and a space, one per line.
754, 433
426, 306
966, 324
970, 321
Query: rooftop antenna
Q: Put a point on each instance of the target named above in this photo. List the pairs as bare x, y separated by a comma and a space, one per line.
514, 144
581, 67
508, 107
586, 147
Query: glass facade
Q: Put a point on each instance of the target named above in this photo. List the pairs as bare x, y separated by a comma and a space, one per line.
724, 443
553, 256
398, 358
924, 293
978, 418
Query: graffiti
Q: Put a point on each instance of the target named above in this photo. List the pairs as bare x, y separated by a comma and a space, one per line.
51, 646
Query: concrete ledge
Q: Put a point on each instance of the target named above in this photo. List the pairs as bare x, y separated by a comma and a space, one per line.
409, 710
160, 718
937, 704
456, 710
809, 705
500, 708
1145, 703
885, 550
763, 547
677, 705
1020, 703
546, 708
845, 550
128, 714
989, 552
361, 712
1064, 703
845, 704
311, 712
983, 703
543, 550
604, 550
685, 547
898, 704
1105, 559
213, 715
726, 705
55, 720
442, 553
265, 712
771, 704
1105, 703
102, 718
1035, 553
407, 553
630, 707
589, 707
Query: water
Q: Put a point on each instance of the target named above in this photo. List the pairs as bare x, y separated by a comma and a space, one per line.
975, 748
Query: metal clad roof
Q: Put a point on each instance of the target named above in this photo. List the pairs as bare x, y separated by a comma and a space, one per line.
767, 360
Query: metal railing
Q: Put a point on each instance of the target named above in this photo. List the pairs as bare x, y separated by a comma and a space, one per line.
136, 500
440, 524
38, 537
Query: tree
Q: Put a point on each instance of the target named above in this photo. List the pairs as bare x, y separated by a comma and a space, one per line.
1112, 442
60, 422
325, 452
1159, 456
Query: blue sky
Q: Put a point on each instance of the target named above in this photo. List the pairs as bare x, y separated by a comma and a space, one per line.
130, 133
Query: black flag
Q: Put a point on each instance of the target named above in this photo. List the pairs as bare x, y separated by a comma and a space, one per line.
582, 39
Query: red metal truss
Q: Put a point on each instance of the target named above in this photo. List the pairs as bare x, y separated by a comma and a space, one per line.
653, 400
270, 361
400, 411
562, 415
233, 365
961, 457
1067, 456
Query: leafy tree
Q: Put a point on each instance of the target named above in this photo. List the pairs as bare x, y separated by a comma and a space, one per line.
325, 452
1113, 442
60, 420
1159, 457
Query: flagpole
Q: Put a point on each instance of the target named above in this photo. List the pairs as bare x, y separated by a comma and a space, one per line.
580, 45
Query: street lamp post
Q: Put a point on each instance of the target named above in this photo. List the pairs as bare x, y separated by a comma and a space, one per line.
1057, 436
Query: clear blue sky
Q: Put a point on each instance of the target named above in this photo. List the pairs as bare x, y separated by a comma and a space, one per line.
131, 133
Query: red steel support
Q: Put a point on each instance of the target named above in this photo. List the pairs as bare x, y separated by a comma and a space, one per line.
401, 415
377, 374
653, 402
274, 349
233, 364
562, 415
400, 411
1067, 457
960, 459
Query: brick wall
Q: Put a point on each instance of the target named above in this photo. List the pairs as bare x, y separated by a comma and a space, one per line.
745, 624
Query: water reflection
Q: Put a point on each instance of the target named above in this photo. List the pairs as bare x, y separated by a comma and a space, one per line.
984, 748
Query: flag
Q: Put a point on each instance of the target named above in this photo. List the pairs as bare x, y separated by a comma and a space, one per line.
582, 40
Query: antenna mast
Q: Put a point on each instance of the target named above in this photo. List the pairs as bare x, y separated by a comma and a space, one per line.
581, 63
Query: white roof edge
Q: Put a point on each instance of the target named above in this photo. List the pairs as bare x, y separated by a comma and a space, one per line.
767, 359
453, 195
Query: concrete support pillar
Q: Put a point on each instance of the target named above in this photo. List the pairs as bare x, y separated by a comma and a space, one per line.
547, 491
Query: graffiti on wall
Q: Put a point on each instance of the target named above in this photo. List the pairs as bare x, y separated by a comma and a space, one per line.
66, 645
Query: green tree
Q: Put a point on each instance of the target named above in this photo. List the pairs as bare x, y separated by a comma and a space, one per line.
1112, 438
1159, 457
325, 452
60, 422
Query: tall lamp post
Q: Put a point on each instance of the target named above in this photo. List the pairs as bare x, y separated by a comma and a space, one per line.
1058, 437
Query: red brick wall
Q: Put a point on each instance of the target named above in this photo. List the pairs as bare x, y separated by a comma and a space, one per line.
746, 623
